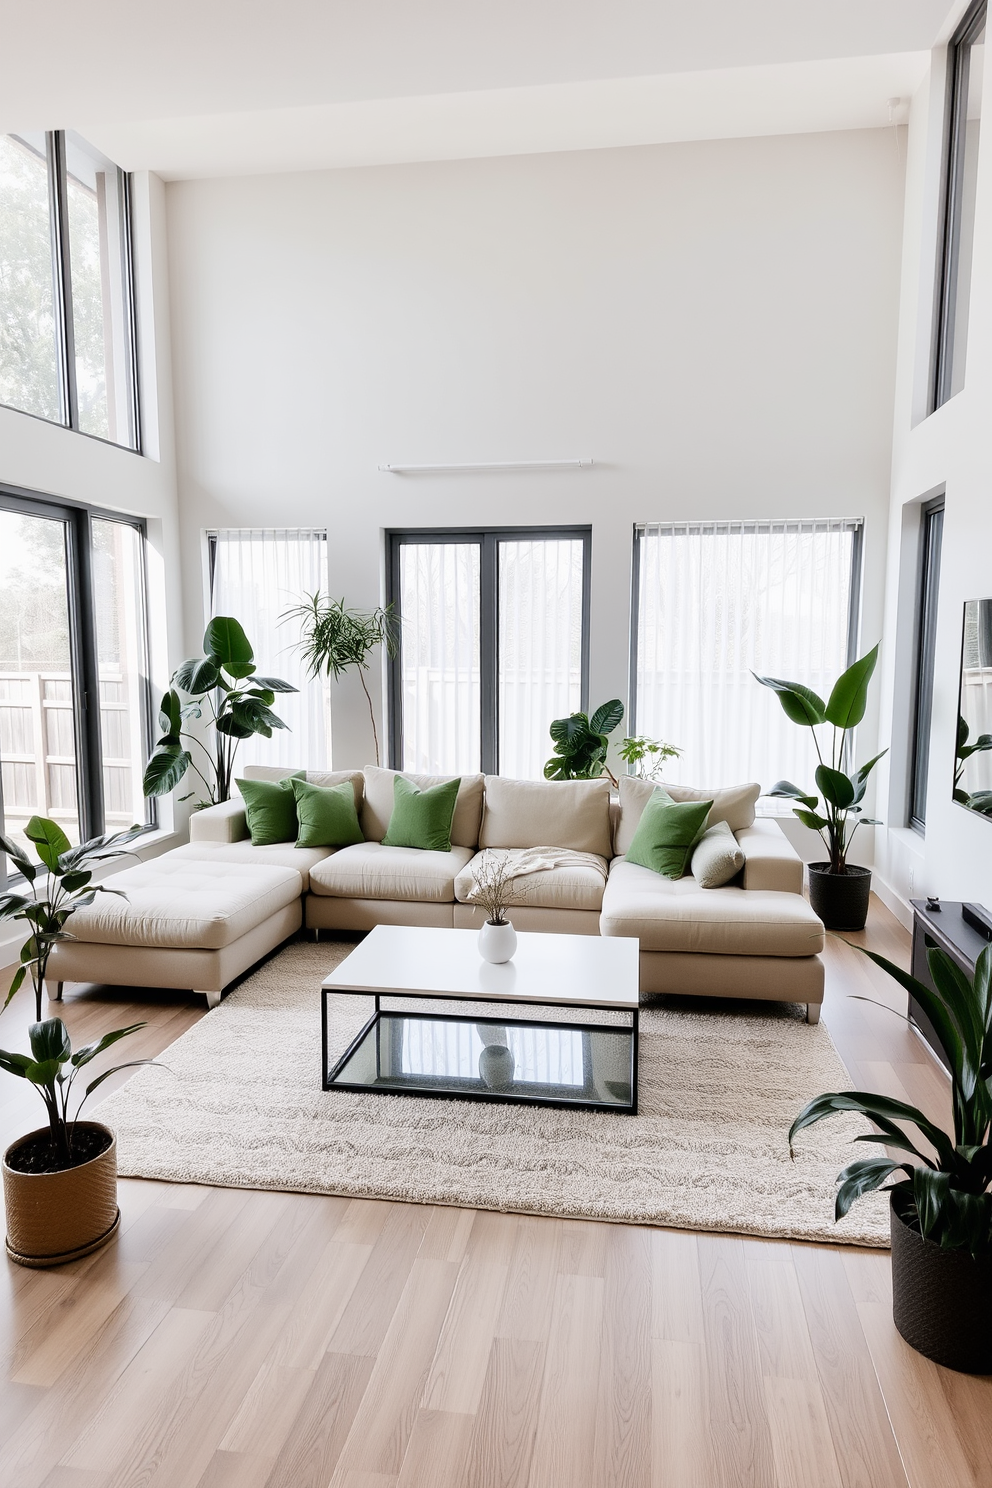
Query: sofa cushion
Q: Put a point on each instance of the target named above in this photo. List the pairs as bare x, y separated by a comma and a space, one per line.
326, 814
667, 832
734, 804
716, 858
178, 902
421, 818
270, 808
372, 871
276, 855
677, 915
380, 795
566, 886
313, 777
547, 813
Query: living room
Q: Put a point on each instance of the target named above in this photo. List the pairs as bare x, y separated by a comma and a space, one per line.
635, 356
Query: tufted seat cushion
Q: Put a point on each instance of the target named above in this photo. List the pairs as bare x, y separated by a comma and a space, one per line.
272, 855
371, 871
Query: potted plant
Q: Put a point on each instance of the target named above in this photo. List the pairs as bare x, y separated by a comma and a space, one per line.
224, 686
581, 744
335, 639
941, 1210
647, 756
492, 891
980, 801
60, 1182
58, 883
838, 890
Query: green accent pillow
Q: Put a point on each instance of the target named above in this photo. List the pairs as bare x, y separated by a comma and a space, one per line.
270, 807
422, 818
667, 832
326, 814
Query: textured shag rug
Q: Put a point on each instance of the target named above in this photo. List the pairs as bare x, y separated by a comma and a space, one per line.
239, 1104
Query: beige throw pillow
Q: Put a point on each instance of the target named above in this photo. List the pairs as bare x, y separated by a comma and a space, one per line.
734, 805
313, 777
547, 813
716, 858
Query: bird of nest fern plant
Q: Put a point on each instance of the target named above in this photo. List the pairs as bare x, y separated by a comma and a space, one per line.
335, 639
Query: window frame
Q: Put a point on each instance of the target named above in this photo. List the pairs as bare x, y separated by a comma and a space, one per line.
78, 518
488, 539
927, 601
949, 226
65, 349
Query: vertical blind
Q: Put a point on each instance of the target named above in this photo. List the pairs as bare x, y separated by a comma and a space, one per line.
717, 601
257, 574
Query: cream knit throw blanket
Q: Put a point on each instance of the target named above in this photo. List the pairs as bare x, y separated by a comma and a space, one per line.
522, 861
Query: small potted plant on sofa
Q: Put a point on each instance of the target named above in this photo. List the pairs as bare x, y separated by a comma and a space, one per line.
60, 1182
838, 890
941, 1210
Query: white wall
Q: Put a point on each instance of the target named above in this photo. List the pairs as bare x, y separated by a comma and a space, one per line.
951, 449
714, 323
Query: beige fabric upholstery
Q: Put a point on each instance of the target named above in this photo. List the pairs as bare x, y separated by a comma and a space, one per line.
734, 805
323, 912
272, 855
180, 903
378, 804
314, 777
370, 871
197, 970
225, 822
572, 886
777, 978
770, 860
526, 917
716, 858
677, 915
555, 813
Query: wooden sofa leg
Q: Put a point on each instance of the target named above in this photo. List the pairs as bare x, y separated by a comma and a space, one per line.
812, 1012
213, 998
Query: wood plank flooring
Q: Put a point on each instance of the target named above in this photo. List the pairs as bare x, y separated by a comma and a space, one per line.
233, 1339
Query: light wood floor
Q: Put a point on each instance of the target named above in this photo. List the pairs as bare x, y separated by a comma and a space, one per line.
233, 1339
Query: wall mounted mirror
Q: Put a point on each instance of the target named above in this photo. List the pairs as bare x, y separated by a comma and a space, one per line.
973, 759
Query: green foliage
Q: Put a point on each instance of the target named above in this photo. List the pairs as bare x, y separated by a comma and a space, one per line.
647, 756
945, 1191
840, 815
224, 686
336, 639
976, 800
52, 1067
581, 744
66, 884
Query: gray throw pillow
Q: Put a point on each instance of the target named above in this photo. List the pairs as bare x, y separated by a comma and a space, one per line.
716, 858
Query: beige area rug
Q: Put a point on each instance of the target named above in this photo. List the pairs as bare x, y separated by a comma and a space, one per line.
240, 1105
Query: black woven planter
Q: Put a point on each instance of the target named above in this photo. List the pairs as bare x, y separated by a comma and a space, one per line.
840, 899
941, 1301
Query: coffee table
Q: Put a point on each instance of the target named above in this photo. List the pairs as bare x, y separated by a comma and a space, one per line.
506, 1057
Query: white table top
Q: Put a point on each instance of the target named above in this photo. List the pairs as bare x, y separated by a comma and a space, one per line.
587, 971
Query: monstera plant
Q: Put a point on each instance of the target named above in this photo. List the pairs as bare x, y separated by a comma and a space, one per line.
581, 744
223, 688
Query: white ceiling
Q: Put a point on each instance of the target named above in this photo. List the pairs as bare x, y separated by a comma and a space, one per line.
206, 87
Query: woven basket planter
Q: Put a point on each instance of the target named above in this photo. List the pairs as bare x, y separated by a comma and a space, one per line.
840, 899
941, 1301
57, 1217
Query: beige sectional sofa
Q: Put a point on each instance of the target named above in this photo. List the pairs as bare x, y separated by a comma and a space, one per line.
757, 937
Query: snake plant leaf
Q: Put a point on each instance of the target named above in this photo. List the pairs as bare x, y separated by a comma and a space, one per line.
799, 702
836, 788
864, 1177
227, 646
606, 717
849, 695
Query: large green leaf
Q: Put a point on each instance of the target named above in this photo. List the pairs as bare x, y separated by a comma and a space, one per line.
15, 1064
255, 714
273, 684
170, 714
50, 842
810, 819
849, 696
945, 1028
835, 787
606, 717
50, 1040
234, 727
197, 676
15, 986
861, 777
790, 792
90, 1051
165, 769
570, 732
864, 1177
878, 1108
226, 644
16, 855
800, 703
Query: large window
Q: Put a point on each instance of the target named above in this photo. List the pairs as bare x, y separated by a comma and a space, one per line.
932, 528
256, 574
493, 646
66, 305
717, 601
73, 672
966, 57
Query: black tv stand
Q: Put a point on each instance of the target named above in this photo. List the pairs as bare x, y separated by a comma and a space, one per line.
946, 928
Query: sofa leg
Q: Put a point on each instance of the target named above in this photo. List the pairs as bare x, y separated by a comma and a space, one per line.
316, 935
213, 998
58, 991
812, 1012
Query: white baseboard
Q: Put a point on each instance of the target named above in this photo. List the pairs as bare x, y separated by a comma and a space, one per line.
899, 906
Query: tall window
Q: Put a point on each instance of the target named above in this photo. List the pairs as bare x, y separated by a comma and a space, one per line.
72, 629
717, 601
493, 628
67, 322
932, 527
256, 574
966, 57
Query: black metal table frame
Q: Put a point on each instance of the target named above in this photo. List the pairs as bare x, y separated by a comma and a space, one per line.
493, 1097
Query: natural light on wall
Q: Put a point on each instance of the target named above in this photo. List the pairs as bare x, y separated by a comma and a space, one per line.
718, 601
256, 575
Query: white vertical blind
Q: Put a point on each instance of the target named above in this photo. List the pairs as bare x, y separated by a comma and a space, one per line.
440, 656
258, 574
718, 601
540, 647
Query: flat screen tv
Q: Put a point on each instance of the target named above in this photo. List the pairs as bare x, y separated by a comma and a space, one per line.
973, 757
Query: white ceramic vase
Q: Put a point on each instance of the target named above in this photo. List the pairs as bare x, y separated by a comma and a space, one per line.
496, 1066
497, 943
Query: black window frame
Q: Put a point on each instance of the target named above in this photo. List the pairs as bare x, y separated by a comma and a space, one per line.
488, 539
952, 179
78, 519
927, 597
65, 349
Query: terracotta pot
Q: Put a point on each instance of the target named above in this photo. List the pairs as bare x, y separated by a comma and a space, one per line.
941, 1300
57, 1217
840, 899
